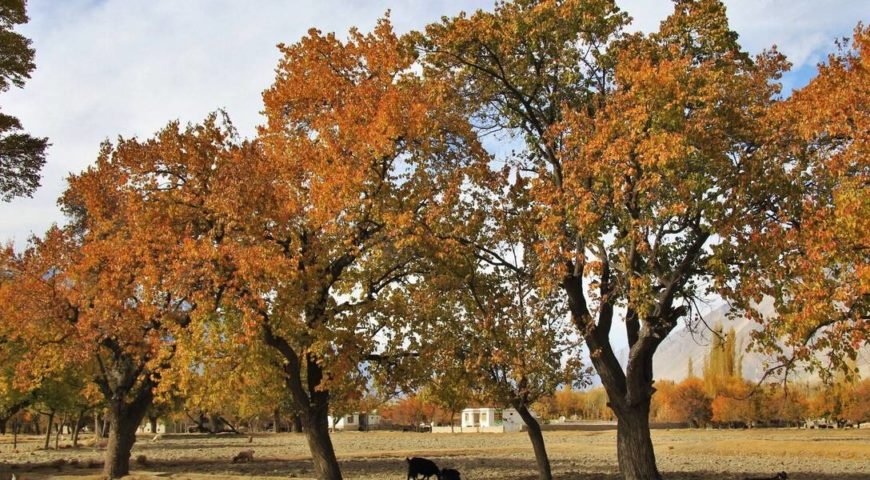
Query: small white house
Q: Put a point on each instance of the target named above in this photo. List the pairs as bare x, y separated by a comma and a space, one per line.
354, 421
146, 428
491, 419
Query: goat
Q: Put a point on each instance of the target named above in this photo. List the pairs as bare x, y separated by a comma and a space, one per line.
422, 467
449, 474
245, 456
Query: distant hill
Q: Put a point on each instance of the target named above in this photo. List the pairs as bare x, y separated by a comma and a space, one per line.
671, 361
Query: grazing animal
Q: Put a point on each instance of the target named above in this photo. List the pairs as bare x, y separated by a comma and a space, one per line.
245, 456
778, 476
449, 474
421, 467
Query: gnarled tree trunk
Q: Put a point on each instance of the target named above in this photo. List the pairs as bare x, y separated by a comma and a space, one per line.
311, 400
634, 446
316, 425
124, 419
629, 392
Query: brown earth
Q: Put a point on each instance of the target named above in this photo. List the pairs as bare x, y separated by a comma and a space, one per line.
682, 454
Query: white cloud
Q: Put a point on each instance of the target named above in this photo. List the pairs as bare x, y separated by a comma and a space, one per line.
126, 68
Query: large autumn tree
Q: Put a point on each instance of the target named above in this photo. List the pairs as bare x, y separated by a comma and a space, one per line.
115, 289
814, 261
321, 224
21, 155
643, 157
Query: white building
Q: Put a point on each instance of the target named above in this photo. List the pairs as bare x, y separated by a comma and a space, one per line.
146, 428
490, 420
354, 421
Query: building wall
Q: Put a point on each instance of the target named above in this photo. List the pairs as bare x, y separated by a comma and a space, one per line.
352, 421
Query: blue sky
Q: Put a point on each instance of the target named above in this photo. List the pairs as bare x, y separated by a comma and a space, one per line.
109, 68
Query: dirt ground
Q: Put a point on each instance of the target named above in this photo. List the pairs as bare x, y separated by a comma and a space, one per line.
682, 454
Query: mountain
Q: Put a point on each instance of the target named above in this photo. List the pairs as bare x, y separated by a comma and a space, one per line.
671, 361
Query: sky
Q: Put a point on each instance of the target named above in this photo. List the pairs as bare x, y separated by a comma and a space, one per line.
126, 67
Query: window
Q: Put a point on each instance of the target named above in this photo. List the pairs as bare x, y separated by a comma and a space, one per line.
349, 419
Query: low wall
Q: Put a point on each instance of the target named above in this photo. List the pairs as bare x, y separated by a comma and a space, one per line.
457, 429
601, 426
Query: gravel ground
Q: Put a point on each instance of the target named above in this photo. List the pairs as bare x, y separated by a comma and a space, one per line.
682, 454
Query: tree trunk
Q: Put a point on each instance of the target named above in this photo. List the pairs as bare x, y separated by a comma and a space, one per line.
48, 430
537, 438
296, 423
122, 436
59, 431
77, 429
124, 420
97, 432
3, 422
152, 420
634, 446
322, 453
16, 427
276, 420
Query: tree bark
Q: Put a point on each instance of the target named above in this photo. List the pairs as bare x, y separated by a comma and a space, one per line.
296, 423
48, 430
77, 428
124, 420
634, 446
537, 438
152, 420
16, 427
122, 436
316, 426
97, 432
59, 431
312, 401
276, 420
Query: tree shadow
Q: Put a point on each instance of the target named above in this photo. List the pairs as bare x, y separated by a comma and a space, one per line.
471, 468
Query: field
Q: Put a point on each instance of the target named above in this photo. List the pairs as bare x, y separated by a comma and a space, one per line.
682, 454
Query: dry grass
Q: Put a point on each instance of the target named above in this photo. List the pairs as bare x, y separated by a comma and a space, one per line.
682, 454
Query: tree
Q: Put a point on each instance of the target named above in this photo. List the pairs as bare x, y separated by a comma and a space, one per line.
21, 155
114, 290
813, 262
451, 388
640, 153
858, 405
689, 403
13, 396
411, 410
516, 341
228, 376
723, 364
319, 225
734, 402
787, 405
